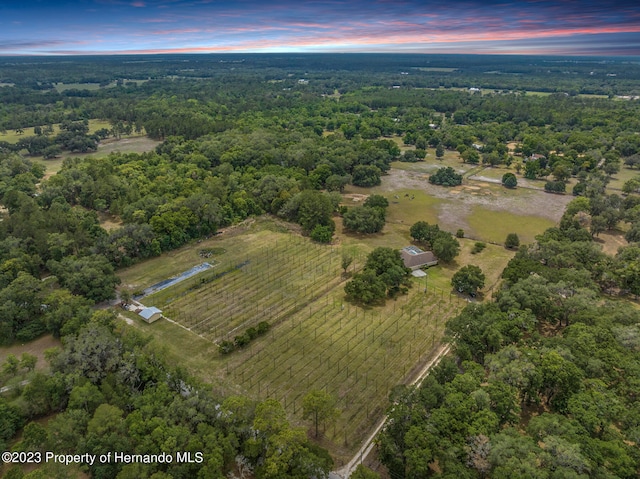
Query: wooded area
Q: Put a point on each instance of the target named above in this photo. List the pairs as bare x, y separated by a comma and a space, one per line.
545, 378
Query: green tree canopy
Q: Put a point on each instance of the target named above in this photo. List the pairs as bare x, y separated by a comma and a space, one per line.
468, 279
512, 241
319, 406
509, 180
445, 247
446, 177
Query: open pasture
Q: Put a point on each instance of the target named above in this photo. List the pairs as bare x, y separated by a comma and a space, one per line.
619, 179
11, 136
133, 144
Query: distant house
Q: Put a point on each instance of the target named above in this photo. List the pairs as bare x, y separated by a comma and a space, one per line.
534, 157
414, 258
150, 314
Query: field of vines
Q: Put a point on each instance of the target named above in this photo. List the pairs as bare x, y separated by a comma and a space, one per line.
356, 354
265, 281
317, 340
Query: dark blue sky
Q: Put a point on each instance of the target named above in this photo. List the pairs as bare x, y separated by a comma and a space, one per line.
568, 27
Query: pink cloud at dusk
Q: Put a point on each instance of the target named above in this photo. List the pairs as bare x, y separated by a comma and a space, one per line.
182, 26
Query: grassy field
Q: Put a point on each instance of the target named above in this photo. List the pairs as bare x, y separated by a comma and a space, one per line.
620, 178
36, 348
134, 144
60, 87
11, 136
494, 226
485, 211
431, 164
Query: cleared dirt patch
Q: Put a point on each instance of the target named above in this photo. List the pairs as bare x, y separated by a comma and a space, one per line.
611, 241
37, 347
109, 222
138, 144
355, 197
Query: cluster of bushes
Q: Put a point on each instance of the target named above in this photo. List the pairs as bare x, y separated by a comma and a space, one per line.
442, 243
384, 275
555, 186
478, 247
368, 218
446, 177
240, 341
413, 156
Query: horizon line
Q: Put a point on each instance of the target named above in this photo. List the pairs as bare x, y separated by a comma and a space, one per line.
224, 53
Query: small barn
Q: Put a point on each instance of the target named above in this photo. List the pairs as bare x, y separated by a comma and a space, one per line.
150, 314
414, 258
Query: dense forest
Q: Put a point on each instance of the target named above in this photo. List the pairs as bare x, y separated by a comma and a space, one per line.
545, 378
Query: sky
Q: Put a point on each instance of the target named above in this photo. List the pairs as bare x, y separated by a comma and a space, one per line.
539, 27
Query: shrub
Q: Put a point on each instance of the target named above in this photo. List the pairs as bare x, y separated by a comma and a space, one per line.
446, 177
263, 327
252, 333
460, 233
322, 234
241, 340
226, 347
409, 156
478, 247
376, 201
555, 186
512, 241
509, 180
